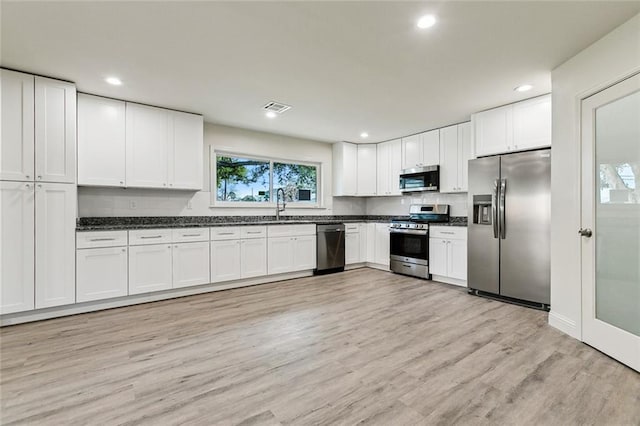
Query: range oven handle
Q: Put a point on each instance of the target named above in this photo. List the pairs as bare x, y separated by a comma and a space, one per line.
494, 207
408, 231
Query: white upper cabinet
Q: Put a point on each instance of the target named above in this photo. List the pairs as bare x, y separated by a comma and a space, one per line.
516, 127
345, 169
55, 246
389, 167
367, 169
17, 281
17, 139
455, 152
55, 131
186, 151
101, 141
147, 133
421, 150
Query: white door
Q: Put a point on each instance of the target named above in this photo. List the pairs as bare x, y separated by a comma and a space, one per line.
457, 259
611, 221
17, 281
55, 244
431, 148
351, 248
304, 252
185, 161
17, 138
190, 264
438, 256
101, 141
532, 123
147, 134
101, 273
464, 155
55, 131
382, 242
279, 255
149, 268
367, 169
449, 159
253, 257
412, 151
493, 130
225, 260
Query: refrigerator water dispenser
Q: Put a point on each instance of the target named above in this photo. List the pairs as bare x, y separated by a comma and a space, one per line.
482, 209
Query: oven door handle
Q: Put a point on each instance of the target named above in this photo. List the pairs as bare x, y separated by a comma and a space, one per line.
408, 231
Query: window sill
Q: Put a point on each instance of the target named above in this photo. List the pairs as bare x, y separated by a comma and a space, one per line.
268, 206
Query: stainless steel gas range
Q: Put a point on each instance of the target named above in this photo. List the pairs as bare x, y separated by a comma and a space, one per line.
409, 239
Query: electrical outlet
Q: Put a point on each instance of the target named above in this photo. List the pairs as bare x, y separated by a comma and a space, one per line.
133, 205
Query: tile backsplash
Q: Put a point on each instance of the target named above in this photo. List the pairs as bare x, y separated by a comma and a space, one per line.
400, 205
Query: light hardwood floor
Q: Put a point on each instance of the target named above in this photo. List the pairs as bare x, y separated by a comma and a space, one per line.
362, 346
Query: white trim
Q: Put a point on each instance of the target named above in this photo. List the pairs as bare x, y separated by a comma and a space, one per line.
377, 266
564, 324
80, 308
449, 280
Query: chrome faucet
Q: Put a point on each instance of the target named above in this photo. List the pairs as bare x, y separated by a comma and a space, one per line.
284, 202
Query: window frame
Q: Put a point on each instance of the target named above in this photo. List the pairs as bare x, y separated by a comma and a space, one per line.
318, 204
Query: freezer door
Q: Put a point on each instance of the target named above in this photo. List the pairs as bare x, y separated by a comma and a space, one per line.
525, 226
483, 243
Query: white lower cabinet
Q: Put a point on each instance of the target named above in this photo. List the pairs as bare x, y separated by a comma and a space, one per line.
225, 260
351, 248
253, 257
280, 259
448, 254
150, 268
382, 242
190, 264
294, 248
304, 252
101, 273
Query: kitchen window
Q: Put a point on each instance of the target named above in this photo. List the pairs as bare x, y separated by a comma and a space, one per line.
251, 181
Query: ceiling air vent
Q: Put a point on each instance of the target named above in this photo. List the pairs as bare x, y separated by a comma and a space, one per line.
276, 107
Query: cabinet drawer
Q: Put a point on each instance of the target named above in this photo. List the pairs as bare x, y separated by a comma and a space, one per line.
185, 235
225, 233
351, 227
253, 232
101, 239
449, 232
299, 230
280, 230
149, 236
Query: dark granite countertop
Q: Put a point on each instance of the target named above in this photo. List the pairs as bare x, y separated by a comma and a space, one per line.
131, 223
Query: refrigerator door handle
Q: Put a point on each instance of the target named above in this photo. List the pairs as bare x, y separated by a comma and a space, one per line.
494, 207
503, 224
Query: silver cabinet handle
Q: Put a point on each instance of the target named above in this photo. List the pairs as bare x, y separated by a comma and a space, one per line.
446, 232
154, 236
191, 235
102, 239
254, 232
225, 233
585, 232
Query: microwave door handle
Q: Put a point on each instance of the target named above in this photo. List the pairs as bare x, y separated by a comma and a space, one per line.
494, 208
503, 215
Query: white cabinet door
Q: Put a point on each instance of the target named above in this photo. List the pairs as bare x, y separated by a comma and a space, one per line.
101, 141
364, 247
149, 268
17, 138
17, 281
55, 252
186, 151
431, 148
449, 159
532, 123
370, 252
438, 256
382, 178
382, 242
190, 264
395, 166
493, 131
367, 168
280, 255
345, 168
101, 273
412, 151
352, 248
457, 259
147, 134
464, 155
253, 255
304, 252
225, 260
55, 131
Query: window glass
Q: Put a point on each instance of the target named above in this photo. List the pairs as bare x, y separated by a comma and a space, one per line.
299, 181
242, 179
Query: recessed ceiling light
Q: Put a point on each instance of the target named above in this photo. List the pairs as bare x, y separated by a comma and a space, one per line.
523, 88
364, 135
271, 114
115, 81
426, 21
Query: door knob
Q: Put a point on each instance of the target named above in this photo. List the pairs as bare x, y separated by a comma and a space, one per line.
585, 232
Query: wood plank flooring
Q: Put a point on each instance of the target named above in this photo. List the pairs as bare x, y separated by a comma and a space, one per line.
364, 346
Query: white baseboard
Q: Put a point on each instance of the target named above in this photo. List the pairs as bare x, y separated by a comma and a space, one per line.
564, 324
377, 266
354, 266
448, 280
80, 308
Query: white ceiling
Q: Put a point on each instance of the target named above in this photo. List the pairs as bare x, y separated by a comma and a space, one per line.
346, 67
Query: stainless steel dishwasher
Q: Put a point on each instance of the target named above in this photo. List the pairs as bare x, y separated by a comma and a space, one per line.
330, 248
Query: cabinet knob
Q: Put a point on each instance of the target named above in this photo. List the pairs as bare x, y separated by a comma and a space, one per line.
123, 250
26, 176
39, 185
164, 184
39, 177
28, 186
168, 246
121, 183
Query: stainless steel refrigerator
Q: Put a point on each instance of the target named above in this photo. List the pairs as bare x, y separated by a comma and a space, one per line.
509, 226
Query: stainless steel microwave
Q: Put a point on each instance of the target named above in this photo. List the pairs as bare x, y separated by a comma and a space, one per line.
420, 179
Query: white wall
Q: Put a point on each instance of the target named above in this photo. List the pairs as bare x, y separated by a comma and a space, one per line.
607, 61
399, 206
149, 202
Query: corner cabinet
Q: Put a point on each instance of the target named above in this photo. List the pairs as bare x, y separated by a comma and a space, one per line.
455, 153
367, 169
345, 169
517, 127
